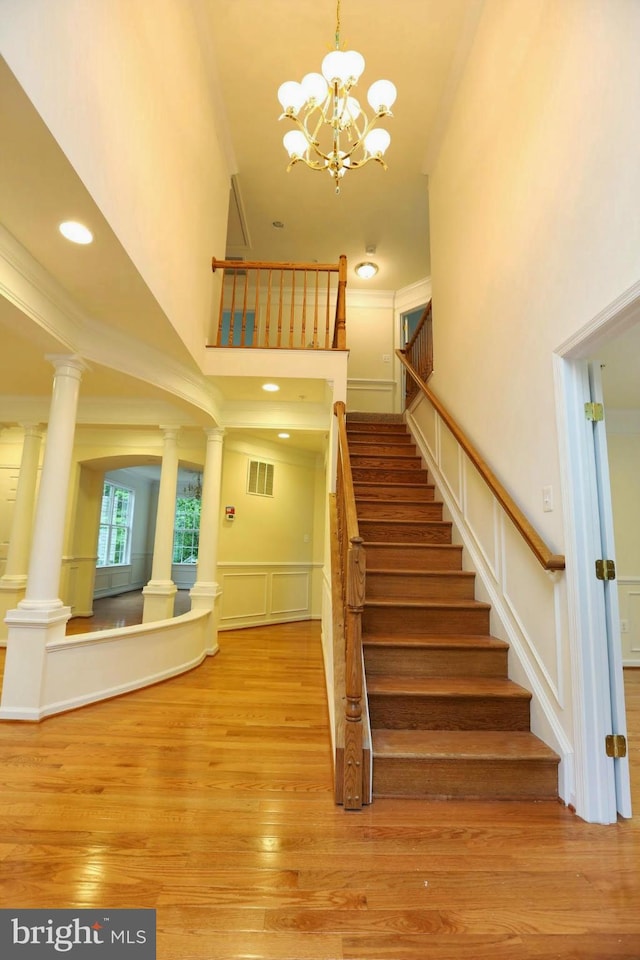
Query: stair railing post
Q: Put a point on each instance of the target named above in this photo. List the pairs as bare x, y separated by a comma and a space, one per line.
353, 759
340, 329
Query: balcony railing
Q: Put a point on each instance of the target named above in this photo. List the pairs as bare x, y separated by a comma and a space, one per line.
286, 306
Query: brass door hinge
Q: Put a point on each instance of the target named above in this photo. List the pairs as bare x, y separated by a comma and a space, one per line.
594, 411
605, 569
616, 745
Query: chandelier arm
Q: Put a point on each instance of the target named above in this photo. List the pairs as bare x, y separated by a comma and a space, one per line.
358, 143
312, 164
361, 163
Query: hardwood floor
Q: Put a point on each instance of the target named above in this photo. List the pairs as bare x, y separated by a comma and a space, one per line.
121, 611
209, 798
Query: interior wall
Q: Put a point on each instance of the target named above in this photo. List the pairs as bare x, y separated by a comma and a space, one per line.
269, 555
93, 73
623, 443
534, 225
371, 383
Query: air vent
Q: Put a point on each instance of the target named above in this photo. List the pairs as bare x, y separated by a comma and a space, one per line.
260, 478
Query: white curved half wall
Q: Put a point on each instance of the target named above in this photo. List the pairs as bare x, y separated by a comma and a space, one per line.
96, 666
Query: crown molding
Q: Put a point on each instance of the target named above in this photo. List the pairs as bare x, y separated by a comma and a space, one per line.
26, 284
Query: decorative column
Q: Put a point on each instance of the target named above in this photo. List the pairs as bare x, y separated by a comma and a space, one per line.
159, 594
206, 590
14, 580
40, 618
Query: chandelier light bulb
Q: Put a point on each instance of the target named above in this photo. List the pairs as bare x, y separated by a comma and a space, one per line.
382, 95
315, 88
295, 143
334, 68
291, 96
354, 66
376, 142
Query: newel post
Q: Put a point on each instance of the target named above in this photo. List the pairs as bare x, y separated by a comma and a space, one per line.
353, 738
340, 332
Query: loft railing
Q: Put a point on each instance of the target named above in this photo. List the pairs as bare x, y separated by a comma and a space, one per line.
544, 556
419, 353
288, 306
353, 790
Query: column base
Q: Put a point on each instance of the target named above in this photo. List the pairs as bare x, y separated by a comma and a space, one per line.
159, 599
33, 625
204, 596
12, 591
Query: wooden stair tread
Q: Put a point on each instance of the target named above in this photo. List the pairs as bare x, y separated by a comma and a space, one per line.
400, 544
461, 744
430, 604
407, 572
379, 501
428, 642
409, 524
405, 484
468, 687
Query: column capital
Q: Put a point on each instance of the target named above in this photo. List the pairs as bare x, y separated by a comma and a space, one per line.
68, 364
169, 432
32, 429
215, 433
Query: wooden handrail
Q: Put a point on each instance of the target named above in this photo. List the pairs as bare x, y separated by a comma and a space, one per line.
352, 563
548, 560
246, 321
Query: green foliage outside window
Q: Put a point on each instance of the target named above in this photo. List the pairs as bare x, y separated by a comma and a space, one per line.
186, 535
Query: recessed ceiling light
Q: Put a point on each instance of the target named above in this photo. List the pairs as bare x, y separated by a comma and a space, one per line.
284, 436
366, 270
76, 232
278, 224
270, 387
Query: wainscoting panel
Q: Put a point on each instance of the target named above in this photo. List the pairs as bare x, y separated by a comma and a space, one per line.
110, 581
254, 594
629, 600
290, 592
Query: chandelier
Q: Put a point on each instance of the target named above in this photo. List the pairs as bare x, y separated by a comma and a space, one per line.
332, 131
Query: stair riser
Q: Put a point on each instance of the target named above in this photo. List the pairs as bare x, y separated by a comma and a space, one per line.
355, 427
393, 532
461, 779
415, 712
380, 510
396, 492
375, 462
410, 662
406, 586
416, 622
382, 449
393, 475
408, 556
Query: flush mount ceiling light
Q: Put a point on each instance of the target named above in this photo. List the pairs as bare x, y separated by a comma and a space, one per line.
284, 436
332, 130
75, 232
366, 270
270, 387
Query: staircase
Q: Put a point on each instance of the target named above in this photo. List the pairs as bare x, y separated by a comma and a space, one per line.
446, 720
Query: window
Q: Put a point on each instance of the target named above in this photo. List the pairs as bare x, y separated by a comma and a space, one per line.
116, 519
186, 531
260, 478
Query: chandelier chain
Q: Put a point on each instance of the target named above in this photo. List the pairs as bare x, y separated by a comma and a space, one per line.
338, 25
